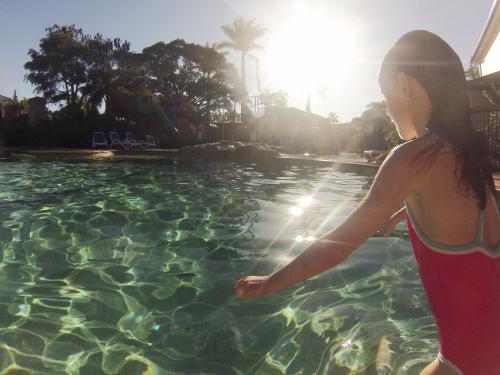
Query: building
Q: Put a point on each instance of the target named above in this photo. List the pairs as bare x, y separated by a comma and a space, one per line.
4, 100
484, 91
297, 131
486, 57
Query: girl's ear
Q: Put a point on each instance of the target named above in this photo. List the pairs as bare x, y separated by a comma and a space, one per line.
404, 85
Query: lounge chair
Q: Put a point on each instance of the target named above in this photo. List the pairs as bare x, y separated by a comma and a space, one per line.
137, 142
155, 141
116, 141
99, 140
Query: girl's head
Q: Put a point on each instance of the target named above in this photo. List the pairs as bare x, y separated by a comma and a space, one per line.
424, 84
423, 81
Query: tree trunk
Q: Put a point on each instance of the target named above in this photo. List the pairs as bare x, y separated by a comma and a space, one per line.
257, 71
243, 68
243, 98
106, 101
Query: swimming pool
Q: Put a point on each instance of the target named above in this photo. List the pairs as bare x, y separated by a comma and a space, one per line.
128, 268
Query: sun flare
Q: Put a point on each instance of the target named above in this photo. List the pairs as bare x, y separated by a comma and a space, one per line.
312, 51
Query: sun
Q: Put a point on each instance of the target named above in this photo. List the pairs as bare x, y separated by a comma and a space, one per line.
312, 50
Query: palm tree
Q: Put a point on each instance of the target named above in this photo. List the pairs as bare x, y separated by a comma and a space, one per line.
257, 72
242, 35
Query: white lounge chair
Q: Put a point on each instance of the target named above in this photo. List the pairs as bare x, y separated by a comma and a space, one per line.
116, 141
99, 140
137, 142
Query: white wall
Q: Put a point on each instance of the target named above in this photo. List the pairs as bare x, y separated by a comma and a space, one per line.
491, 62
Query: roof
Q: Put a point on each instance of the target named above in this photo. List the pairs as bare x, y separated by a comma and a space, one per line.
298, 114
4, 99
488, 35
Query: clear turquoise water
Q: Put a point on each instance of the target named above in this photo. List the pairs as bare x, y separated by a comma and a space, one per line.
128, 267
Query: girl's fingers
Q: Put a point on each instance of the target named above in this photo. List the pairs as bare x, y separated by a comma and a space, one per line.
240, 285
240, 281
250, 286
248, 279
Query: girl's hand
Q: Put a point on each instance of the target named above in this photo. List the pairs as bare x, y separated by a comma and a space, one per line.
252, 286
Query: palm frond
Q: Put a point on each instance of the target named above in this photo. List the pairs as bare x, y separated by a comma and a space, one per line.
223, 45
242, 34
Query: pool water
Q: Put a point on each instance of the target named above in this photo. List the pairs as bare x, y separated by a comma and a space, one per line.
128, 268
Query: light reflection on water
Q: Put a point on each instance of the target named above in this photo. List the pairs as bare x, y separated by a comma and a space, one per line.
128, 267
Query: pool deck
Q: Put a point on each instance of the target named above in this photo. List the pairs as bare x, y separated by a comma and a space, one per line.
91, 154
344, 162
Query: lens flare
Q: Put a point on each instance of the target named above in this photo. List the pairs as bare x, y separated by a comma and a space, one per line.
296, 211
312, 50
305, 201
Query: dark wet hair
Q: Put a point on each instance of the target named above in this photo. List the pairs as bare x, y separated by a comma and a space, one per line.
427, 58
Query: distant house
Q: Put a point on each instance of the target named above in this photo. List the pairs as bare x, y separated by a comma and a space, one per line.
296, 130
4, 100
34, 109
487, 54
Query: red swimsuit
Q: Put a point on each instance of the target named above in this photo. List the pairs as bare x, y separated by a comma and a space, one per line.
462, 284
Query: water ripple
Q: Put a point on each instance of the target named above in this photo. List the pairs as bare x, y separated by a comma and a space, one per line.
127, 268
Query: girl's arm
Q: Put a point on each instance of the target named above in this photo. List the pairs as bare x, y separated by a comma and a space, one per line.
394, 181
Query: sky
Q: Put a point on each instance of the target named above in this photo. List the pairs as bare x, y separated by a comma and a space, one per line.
327, 50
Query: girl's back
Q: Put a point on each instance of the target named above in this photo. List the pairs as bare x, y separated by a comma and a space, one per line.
445, 212
457, 252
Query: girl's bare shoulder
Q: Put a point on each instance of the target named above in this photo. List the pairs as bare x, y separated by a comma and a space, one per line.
409, 163
410, 151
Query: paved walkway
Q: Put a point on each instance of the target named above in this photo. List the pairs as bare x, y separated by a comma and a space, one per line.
77, 153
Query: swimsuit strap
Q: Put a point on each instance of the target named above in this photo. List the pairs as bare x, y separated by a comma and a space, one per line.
430, 242
493, 198
480, 228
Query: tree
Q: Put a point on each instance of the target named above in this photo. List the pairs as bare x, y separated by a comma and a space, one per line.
211, 80
373, 110
377, 130
161, 64
273, 99
59, 69
132, 73
242, 35
200, 73
105, 61
257, 71
75, 69
472, 73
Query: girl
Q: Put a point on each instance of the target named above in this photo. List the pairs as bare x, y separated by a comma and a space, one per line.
443, 178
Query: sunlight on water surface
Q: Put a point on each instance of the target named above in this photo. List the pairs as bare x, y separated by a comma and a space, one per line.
128, 268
